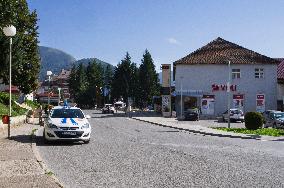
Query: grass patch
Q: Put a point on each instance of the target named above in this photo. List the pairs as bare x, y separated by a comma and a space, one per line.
33, 132
4, 105
32, 104
49, 173
264, 131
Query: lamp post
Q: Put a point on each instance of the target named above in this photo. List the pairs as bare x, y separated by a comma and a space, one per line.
59, 89
228, 91
10, 31
181, 97
48, 73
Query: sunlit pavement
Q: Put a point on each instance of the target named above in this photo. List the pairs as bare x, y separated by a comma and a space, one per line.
127, 153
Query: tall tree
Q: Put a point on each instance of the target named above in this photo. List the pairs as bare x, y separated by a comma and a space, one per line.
73, 86
108, 74
95, 84
82, 83
123, 79
25, 57
148, 80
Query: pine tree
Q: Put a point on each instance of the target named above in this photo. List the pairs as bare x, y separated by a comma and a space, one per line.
72, 82
123, 79
93, 95
148, 80
108, 74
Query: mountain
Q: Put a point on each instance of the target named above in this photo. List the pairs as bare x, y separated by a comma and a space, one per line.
54, 60
86, 61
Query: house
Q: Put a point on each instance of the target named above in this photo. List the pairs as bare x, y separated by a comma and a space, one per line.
56, 84
202, 79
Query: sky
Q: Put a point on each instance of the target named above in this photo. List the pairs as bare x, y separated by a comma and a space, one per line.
169, 29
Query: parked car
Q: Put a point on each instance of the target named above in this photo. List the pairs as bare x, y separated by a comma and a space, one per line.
108, 108
275, 119
191, 114
67, 123
235, 115
267, 113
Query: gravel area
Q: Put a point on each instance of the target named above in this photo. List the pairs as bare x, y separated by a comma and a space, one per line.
127, 153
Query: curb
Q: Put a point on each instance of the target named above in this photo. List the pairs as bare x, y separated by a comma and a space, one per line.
40, 161
198, 132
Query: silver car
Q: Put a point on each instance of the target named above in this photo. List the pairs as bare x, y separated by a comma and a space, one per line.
275, 120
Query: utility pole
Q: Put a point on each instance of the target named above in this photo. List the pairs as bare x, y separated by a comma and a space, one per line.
229, 94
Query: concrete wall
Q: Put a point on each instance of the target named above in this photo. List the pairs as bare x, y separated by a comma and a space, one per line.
201, 77
18, 120
280, 91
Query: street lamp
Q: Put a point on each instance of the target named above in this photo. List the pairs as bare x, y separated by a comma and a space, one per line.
228, 91
59, 89
48, 73
181, 97
10, 31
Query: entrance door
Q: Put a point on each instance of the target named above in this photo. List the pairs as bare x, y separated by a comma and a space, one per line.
208, 104
238, 101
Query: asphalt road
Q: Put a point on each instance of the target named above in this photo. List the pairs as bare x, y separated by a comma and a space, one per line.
127, 153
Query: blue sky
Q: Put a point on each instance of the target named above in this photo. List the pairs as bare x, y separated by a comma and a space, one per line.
169, 29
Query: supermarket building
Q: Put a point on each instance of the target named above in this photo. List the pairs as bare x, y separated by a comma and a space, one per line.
201, 79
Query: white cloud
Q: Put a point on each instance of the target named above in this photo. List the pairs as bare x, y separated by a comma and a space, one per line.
172, 40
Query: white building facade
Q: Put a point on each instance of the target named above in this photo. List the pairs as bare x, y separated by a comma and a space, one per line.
204, 74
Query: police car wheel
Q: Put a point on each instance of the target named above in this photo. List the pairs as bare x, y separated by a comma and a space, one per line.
86, 141
44, 138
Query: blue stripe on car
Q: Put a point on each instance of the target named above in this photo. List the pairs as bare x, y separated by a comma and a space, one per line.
73, 121
64, 120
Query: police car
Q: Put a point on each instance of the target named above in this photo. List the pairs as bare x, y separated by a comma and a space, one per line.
67, 123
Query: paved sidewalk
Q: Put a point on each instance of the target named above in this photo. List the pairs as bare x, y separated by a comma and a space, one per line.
18, 165
203, 127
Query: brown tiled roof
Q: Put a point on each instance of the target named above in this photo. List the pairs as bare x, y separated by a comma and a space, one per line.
280, 71
219, 51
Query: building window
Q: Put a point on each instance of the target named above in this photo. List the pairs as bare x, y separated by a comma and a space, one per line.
259, 73
236, 73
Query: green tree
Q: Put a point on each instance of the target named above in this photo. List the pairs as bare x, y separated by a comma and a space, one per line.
148, 80
72, 82
95, 84
82, 85
108, 75
25, 57
123, 79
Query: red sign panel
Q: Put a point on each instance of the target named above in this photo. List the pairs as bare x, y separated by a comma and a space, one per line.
223, 87
238, 96
208, 96
260, 96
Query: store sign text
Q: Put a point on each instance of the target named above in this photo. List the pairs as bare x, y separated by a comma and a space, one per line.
223, 87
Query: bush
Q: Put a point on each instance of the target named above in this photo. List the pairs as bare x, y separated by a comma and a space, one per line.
253, 120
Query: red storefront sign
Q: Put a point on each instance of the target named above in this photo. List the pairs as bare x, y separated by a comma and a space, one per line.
223, 87
208, 96
238, 97
259, 96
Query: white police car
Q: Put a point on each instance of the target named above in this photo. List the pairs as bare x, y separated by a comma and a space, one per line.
67, 123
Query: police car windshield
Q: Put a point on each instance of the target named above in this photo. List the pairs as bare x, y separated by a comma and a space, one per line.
67, 113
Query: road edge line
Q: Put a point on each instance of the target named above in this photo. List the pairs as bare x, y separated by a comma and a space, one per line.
198, 132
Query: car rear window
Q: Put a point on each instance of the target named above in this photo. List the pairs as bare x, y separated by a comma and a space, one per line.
67, 113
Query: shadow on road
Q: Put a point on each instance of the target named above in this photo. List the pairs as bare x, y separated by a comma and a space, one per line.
22, 138
40, 142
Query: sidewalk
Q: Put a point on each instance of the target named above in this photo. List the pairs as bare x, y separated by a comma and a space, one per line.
203, 127
18, 165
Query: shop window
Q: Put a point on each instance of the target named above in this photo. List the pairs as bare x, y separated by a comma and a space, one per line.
259, 73
236, 73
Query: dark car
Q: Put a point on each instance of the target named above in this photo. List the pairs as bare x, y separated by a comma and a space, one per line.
191, 114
